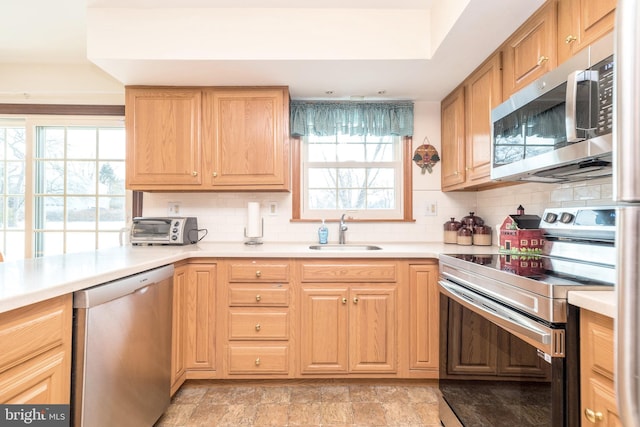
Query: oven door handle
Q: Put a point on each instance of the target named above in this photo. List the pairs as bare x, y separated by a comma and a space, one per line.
548, 340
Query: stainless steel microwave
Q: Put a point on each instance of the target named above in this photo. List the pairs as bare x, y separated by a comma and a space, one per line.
164, 231
558, 128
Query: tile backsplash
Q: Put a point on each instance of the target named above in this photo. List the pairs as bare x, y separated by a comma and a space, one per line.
224, 215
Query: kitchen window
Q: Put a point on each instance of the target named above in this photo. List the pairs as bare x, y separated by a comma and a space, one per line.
61, 185
352, 158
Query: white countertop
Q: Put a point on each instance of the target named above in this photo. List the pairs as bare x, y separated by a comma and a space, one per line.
29, 281
603, 302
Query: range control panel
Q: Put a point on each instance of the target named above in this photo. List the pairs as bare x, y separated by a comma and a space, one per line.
597, 223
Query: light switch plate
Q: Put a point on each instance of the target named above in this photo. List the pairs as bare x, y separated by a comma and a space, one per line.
173, 208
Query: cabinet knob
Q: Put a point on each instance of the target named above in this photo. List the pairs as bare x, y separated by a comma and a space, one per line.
258, 361
355, 300
194, 173
542, 59
258, 298
215, 174
344, 300
570, 39
258, 273
467, 169
456, 173
258, 327
593, 416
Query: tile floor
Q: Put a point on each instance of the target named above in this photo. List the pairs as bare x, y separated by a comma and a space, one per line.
210, 403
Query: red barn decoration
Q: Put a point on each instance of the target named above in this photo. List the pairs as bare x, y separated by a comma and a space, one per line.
521, 234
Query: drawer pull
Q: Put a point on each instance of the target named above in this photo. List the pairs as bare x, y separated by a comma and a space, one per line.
355, 300
258, 327
258, 273
258, 297
258, 361
570, 39
344, 300
593, 416
215, 174
194, 173
542, 59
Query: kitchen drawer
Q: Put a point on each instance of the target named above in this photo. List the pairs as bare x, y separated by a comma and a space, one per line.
250, 295
266, 324
32, 330
258, 359
365, 272
258, 271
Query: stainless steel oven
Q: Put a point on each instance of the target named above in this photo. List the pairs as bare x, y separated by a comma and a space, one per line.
509, 339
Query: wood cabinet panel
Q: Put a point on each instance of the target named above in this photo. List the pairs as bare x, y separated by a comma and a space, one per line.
246, 134
179, 327
35, 361
373, 329
324, 329
267, 295
453, 139
357, 271
598, 400
531, 50
163, 137
483, 94
266, 324
581, 22
424, 317
258, 359
258, 271
201, 326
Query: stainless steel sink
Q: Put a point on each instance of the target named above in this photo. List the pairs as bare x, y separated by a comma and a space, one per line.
345, 247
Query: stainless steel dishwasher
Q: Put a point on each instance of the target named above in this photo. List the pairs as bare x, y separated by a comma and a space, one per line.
122, 354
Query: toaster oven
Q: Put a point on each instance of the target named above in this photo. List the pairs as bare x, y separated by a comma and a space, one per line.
164, 231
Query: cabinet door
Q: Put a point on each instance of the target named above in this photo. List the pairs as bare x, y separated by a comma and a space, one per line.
373, 329
453, 135
581, 22
531, 51
200, 308
324, 330
424, 314
483, 93
163, 138
178, 328
246, 134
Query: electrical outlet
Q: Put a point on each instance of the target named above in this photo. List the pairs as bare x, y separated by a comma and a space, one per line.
431, 209
173, 208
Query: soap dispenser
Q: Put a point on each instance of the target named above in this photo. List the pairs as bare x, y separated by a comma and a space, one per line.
323, 234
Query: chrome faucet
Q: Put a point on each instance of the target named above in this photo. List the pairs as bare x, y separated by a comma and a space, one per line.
341, 230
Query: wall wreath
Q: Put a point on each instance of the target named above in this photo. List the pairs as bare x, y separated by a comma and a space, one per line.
426, 156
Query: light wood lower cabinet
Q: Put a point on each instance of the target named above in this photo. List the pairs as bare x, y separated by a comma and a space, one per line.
424, 304
596, 371
256, 318
35, 360
194, 322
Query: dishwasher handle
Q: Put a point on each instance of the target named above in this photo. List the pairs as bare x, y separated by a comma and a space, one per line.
109, 291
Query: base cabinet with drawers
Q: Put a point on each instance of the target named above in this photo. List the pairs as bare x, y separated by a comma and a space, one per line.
256, 319
35, 360
596, 370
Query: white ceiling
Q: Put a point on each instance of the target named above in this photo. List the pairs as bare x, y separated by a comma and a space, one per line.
46, 31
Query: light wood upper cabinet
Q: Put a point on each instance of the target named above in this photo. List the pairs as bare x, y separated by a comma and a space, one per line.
207, 139
35, 361
163, 138
453, 139
531, 51
246, 138
598, 400
466, 127
581, 22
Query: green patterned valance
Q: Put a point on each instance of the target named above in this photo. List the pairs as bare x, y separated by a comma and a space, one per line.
352, 118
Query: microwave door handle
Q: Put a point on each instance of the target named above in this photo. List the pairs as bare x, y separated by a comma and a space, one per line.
570, 106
